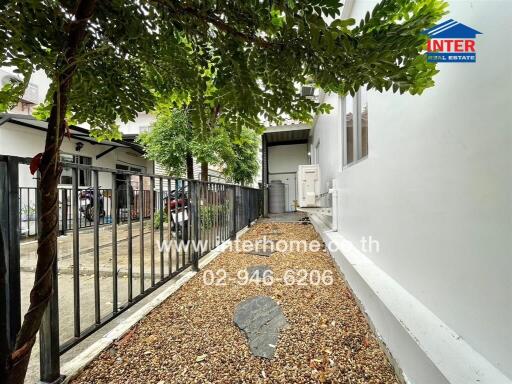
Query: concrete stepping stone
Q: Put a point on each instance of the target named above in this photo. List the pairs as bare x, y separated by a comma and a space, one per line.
261, 319
258, 271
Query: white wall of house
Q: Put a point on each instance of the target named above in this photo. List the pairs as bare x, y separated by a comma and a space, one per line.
17, 140
435, 192
141, 124
283, 162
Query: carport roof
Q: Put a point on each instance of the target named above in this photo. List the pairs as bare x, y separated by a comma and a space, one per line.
76, 132
297, 136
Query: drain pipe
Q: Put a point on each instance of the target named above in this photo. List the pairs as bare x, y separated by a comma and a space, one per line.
333, 191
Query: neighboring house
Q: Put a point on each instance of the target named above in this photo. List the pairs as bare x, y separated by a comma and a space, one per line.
424, 208
24, 136
36, 92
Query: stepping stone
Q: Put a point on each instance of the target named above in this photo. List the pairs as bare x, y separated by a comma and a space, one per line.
261, 319
259, 271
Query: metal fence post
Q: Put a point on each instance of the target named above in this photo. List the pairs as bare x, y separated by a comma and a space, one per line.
49, 356
195, 224
235, 214
249, 207
10, 302
64, 210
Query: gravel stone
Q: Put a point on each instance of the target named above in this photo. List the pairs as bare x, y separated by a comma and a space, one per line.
328, 339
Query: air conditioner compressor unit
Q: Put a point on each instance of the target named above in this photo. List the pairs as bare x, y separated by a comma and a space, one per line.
308, 180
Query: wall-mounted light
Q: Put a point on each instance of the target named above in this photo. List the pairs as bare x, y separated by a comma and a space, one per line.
79, 146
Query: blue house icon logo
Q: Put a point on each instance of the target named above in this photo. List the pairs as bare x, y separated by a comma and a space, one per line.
451, 42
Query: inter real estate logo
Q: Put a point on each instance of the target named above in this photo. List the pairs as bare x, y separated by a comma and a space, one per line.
451, 42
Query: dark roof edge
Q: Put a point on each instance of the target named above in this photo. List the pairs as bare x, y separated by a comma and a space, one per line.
7, 117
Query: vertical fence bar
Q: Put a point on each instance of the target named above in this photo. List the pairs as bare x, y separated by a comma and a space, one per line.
219, 214
235, 214
249, 203
183, 226
130, 248
152, 218
215, 216
64, 210
161, 227
141, 232
176, 220
28, 212
97, 298
195, 222
210, 218
189, 222
169, 220
114, 215
76, 251
200, 209
49, 355
10, 300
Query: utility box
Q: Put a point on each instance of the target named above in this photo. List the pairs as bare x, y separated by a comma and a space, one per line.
308, 185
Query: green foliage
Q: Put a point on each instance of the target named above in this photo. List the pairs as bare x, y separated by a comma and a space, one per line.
212, 213
156, 218
243, 165
168, 141
241, 59
171, 137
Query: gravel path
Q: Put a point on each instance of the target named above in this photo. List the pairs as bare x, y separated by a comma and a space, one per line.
191, 337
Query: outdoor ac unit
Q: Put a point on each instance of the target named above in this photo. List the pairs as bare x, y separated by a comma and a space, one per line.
307, 91
308, 180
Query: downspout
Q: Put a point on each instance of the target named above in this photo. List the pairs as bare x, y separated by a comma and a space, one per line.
334, 208
264, 181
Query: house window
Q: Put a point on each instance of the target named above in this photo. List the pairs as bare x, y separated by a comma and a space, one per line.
348, 135
355, 127
363, 123
84, 175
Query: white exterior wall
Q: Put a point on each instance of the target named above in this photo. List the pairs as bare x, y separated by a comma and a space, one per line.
283, 163
436, 193
143, 121
286, 158
22, 141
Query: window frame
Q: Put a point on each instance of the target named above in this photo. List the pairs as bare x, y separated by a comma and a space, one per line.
357, 134
87, 175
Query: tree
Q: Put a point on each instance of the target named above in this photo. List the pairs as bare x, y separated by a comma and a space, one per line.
171, 137
107, 59
242, 166
169, 142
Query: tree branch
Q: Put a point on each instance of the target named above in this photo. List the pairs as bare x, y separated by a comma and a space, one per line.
219, 24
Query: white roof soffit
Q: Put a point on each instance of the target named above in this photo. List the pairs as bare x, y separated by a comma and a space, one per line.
287, 127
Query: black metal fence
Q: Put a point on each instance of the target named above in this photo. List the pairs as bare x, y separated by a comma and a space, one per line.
138, 239
28, 209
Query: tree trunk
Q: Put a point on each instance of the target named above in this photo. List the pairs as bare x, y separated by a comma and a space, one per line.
190, 166
50, 170
204, 171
